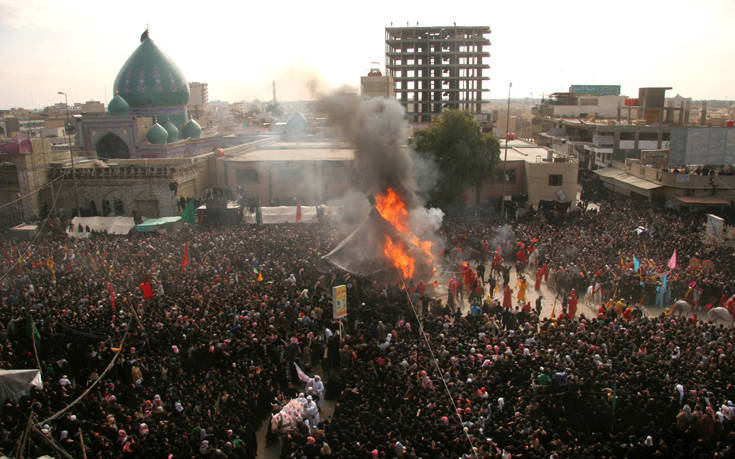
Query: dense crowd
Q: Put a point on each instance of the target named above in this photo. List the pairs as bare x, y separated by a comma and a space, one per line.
206, 350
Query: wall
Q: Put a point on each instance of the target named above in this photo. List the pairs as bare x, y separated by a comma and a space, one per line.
537, 178
702, 145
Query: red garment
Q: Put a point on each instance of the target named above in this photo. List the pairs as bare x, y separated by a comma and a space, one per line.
539, 276
453, 286
731, 306
527, 308
422, 288
508, 297
628, 314
572, 305
521, 256
546, 272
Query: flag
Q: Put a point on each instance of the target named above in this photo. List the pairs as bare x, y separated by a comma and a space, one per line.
260, 277
664, 280
112, 297
32, 329
298, 210
709, 306
145, 287
636, 263
614, 396
672, 261
188, 214
303, 377
185, 261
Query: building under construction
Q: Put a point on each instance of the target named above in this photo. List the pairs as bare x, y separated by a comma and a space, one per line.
437, 67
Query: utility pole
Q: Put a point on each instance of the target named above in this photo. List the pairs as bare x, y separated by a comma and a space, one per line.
71, 155
505, 161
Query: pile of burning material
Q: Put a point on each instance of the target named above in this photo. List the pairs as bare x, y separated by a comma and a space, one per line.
383, 245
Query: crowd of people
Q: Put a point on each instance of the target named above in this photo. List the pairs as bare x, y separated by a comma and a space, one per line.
182, 344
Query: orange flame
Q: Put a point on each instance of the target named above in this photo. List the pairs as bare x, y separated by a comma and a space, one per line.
397, 254
392, 208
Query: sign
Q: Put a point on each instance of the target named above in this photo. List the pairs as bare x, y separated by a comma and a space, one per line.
595, 89
657, 158
339, 301
715, 225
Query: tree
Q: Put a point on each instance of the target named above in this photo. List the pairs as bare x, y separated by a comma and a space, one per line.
463, 154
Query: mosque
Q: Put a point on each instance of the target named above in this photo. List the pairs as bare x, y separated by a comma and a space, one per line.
147, 117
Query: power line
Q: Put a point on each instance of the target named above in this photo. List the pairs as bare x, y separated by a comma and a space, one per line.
436, 364
38, 233
32, 192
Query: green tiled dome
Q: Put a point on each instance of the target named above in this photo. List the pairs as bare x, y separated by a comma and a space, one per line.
157, 134
150, 78
191, 130
173, 131
118, 106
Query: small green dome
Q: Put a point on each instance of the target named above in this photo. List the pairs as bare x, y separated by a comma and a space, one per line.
173, 131
118, 106
149, 78
191, 130
157, 134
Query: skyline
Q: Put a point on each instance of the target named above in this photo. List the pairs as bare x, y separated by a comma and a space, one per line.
78, 47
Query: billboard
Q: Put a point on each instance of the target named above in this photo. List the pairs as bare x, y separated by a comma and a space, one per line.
595, 89
339, 301
656, 158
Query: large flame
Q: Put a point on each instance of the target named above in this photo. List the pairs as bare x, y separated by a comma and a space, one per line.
393, 209
397, 254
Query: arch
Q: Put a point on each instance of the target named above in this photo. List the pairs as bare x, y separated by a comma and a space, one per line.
112, 146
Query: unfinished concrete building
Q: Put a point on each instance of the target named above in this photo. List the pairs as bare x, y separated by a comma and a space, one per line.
437, 67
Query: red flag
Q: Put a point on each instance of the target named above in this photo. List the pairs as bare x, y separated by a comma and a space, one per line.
298, 210
672, 261
112, 297
145, 287
185, 261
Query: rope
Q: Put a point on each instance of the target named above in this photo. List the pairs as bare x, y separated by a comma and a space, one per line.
31, 193
38, 233
84, 394
436, 364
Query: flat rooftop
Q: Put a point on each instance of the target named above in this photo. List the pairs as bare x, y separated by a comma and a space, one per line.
294, 153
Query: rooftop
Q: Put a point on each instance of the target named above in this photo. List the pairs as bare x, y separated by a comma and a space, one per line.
297, 152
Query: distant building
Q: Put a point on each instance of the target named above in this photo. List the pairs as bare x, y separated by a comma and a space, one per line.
434, 68
93, 106
198, 99
375, 84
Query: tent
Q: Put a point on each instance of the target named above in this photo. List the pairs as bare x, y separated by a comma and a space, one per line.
109, 225
287, 214
16, 383
24, 231
163, 224
361, 252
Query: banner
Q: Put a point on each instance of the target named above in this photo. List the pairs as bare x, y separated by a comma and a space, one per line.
339, 301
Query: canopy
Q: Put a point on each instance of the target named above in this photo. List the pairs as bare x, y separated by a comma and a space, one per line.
169, 224
109, 225
16, 383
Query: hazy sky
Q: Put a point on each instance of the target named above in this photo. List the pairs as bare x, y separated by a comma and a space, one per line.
239, 47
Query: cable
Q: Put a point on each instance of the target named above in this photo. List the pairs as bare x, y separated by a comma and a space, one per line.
436, 364
38, 233
84, 394
31, 193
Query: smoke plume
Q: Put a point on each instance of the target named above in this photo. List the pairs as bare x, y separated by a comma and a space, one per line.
378, 131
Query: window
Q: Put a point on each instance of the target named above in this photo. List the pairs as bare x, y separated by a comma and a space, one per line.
247, 176
555, 180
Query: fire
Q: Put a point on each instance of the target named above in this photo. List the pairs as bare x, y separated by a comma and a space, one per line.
396, 253
393, 209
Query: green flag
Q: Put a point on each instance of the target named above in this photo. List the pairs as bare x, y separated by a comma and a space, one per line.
32, 330
188, 214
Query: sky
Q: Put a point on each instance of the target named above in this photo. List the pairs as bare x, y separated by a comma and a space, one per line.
240, 47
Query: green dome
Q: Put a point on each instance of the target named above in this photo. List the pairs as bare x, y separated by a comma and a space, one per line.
150, 78
157, 134
191, 130
173, 131
118, 106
